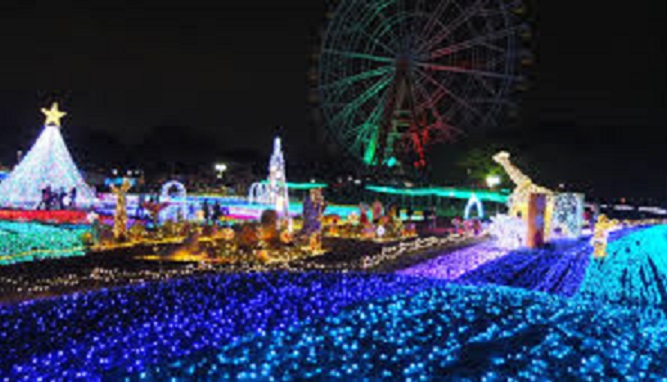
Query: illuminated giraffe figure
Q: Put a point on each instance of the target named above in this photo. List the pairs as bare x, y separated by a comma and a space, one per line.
120, 216
518, 201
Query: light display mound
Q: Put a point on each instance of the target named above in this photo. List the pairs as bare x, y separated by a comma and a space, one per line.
325, 326
47, 164
23, 242
634, 272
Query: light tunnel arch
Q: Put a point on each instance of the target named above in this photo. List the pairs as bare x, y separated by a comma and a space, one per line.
477, 204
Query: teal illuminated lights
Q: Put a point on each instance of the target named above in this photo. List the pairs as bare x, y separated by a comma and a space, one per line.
20, 242
301, 186
634, 272
442, 192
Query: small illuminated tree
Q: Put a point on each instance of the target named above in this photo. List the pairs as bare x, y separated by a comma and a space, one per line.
278, 181
47, 164
120, 216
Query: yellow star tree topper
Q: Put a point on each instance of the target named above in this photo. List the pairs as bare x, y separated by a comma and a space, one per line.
53, 115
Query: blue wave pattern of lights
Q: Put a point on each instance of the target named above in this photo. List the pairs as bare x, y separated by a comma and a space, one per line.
459, 332
558, 268
634, 272
286, 326
113, 332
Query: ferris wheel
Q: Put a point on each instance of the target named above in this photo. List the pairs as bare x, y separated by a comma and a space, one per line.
395, 76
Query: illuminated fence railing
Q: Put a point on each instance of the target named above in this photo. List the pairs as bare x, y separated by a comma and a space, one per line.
390, 253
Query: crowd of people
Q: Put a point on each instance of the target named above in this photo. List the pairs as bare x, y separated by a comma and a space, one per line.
59, 199
213, 213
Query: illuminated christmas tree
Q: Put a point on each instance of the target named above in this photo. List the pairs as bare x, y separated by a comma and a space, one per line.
47, 164
278, 192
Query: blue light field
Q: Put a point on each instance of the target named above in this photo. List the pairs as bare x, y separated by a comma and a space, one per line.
292, 326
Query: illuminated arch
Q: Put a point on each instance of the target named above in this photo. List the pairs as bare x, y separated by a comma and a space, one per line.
178, 201
474, 201
180, 190
260, 193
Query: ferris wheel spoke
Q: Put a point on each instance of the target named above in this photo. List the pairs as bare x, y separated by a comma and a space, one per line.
400, 5
430, 103
366, 133
484, 81
492, 47
347, 81
451, 27
486, 85
363, 98
450, 93
428, 27
377, 11
433, 99
455, 69
379, 43
407, 32
481, 40
361, 56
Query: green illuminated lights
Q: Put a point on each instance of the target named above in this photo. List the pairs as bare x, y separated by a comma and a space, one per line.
20, 242
442, 192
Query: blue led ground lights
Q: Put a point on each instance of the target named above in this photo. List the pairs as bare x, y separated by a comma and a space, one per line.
325, 325
452, 332
558, 268
634, 272
337, 325
111, 333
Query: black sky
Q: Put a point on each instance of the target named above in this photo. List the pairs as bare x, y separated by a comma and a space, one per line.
231, 71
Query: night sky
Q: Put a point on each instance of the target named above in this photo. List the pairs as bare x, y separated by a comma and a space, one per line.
228, 74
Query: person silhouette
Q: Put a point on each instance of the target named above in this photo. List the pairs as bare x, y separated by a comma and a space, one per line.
61, 198
72, 198
206, 211
216, 212
45, 198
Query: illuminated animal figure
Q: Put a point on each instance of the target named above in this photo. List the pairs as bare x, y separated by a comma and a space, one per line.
524, 186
